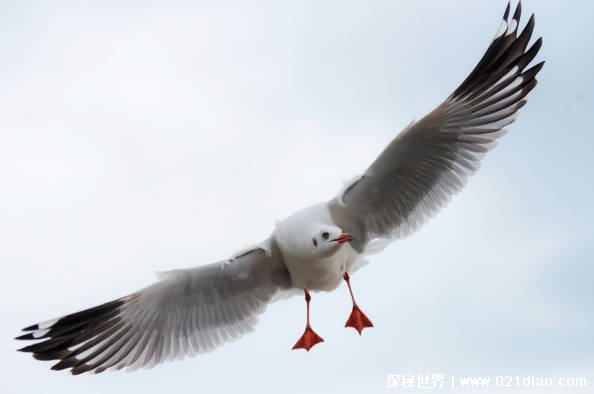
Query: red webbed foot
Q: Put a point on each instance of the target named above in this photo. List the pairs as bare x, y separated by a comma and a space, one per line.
358, 320
308, 340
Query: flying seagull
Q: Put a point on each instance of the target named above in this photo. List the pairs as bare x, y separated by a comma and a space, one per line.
195, 310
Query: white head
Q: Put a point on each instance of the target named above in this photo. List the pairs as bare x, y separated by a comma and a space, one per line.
312, 241
325, 240
310, 234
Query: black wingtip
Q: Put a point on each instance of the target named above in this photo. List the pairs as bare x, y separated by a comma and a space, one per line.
60, 354
507, 9
67, 363
26, 349
537, 44
25, 337
531, 22
518, 12
34, 327
58, 337
535, 69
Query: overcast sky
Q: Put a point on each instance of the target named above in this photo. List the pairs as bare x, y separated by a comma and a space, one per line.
148, 136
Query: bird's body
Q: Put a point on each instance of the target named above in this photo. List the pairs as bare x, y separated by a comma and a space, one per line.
195, 310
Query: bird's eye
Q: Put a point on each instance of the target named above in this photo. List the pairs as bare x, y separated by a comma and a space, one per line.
325, 235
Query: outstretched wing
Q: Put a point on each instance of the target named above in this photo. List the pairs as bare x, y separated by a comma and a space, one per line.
187, 312
430, 160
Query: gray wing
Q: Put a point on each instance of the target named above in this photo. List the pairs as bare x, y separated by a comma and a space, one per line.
430, 160
187, 312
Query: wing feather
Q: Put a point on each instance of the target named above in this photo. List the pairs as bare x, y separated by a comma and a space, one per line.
431, 160
187, 312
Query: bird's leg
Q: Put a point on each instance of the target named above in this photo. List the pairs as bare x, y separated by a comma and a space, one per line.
357, 319
309, 338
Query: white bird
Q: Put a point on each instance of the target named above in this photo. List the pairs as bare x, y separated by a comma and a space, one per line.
191, 311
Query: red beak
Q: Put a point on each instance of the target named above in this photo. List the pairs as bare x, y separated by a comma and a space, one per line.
344, 237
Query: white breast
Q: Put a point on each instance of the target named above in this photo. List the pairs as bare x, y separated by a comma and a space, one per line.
323, 274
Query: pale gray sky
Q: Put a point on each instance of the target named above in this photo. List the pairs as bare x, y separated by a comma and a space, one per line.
156, 135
